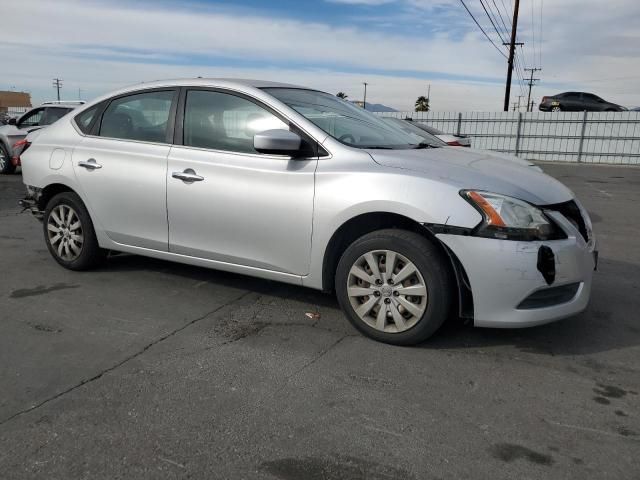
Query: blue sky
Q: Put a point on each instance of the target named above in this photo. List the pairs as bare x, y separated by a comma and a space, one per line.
398, 46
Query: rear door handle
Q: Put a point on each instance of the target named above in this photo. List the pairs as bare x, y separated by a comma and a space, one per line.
90, 164
189, 176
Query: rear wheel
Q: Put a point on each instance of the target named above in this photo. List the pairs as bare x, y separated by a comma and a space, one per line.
69, 233
395, 286
5, 161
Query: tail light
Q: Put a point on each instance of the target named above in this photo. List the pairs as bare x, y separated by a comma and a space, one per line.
18, 149
455, 143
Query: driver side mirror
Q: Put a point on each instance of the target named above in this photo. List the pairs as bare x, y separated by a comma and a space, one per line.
279, 142
12, 121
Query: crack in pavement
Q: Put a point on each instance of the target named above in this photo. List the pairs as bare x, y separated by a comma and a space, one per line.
125, 360
320, 355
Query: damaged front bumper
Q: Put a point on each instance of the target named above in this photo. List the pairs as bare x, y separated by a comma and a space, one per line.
526, 283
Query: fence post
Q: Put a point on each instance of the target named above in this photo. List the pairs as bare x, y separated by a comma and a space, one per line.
584, 126
459, 129
518, 133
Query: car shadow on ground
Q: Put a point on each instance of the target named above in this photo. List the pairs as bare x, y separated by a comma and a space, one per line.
607, 324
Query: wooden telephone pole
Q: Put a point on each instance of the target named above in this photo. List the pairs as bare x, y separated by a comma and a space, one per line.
512, 51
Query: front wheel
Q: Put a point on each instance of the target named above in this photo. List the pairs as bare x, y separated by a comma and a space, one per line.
556, 109
395, 286
6, 166
69, 233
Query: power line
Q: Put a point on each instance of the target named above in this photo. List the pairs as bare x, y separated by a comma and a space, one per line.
541, 41
504, 25
482, 29
533, 37
491, 20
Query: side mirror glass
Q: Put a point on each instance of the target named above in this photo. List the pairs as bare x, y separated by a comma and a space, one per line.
12, 121
278, 142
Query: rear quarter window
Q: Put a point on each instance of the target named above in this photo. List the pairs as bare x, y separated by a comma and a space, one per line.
84, 120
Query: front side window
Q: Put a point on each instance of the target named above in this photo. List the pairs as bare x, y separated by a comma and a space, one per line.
344, 121
31, 119
142, 116
221, 121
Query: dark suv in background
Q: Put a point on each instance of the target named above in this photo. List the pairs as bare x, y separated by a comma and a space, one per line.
578, 102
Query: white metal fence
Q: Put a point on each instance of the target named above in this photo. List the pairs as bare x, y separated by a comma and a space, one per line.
588, 137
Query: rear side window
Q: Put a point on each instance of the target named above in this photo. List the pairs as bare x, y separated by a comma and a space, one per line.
142, 116
31, 119
220, 121
53, 114
84, 119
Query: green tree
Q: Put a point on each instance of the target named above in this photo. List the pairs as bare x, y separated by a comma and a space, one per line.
422, 104
342, 95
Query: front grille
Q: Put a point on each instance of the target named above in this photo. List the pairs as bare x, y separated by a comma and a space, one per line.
572, 212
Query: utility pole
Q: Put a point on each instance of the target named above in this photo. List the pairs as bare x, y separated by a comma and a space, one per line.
516, 105
79, 93
364, 102
512, 50
531, 80
57, 84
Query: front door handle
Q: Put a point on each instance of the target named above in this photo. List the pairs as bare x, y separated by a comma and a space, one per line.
90, 164
189, 176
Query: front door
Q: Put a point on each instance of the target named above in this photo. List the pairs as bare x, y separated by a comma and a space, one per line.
229, 203
122, 170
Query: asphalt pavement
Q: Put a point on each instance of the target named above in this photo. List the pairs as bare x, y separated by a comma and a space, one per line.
149, 369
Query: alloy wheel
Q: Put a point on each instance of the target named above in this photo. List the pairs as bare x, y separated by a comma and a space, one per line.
387, 291
64, 230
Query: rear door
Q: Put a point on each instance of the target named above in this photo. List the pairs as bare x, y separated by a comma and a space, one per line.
244, 208
122, 167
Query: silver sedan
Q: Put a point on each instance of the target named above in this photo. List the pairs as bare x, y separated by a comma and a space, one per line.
291, 184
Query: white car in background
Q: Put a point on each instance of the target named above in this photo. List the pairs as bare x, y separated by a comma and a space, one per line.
412, 128
16, 129
449, 138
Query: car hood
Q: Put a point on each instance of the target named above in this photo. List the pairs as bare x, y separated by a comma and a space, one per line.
505, 156
479, 171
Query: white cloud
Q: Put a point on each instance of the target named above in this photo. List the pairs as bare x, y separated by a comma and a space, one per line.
98, 46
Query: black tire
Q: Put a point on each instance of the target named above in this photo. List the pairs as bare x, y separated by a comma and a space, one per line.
432, 264
90, 254
6, 167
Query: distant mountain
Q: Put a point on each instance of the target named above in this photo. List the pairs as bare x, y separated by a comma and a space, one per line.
374, 107
378, 107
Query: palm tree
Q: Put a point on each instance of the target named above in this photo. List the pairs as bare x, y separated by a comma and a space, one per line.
342, 95
422, 104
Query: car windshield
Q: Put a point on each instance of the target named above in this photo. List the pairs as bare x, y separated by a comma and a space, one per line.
410, 128
344, 121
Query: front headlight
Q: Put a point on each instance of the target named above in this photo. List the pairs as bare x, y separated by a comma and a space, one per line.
508, 218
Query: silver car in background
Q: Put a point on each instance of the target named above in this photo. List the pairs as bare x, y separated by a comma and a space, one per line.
291, 184
17, 129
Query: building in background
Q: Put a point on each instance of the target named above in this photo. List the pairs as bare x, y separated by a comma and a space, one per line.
14, 102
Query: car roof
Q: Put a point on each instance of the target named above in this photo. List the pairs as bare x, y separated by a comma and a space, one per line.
211, 82
62, 104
